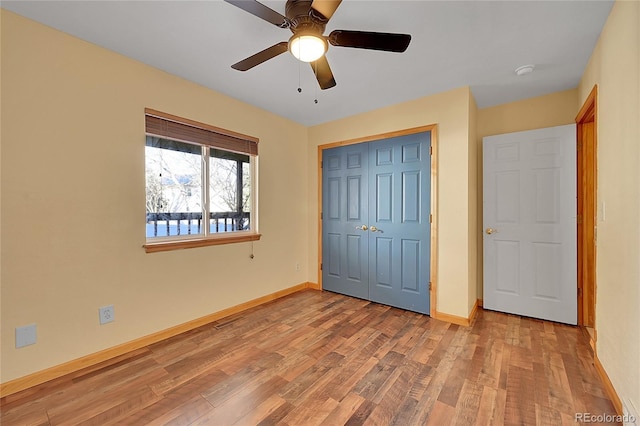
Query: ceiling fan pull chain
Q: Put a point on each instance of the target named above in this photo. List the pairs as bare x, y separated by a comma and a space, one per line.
299, 85
315, 86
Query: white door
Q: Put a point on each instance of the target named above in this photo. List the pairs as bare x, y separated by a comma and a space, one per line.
530, 254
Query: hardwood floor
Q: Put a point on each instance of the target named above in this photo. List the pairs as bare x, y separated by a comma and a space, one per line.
321, 358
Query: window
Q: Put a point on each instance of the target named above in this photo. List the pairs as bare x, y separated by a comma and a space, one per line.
200, 184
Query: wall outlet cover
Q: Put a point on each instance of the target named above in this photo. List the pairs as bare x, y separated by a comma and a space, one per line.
25, 335
106, 314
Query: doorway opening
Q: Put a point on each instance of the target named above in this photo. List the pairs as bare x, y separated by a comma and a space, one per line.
587, 137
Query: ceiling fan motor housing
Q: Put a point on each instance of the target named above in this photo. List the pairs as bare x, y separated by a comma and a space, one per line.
295, 8
302, 18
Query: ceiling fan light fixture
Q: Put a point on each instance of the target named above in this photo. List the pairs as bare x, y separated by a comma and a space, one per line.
307, 47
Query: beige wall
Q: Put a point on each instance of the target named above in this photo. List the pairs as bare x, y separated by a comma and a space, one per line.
555, 109
450, 111
73, 188
615, 67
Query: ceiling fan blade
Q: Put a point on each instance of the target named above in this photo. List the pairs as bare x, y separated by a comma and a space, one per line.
260, 57
325, 7
323, 73
261, 11
369, 40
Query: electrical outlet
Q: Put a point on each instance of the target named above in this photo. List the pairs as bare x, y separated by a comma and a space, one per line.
25, 335
297, 266
106, 314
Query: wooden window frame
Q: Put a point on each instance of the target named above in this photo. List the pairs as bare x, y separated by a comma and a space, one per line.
169, 126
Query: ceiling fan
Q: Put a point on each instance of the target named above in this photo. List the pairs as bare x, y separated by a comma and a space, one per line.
307, 20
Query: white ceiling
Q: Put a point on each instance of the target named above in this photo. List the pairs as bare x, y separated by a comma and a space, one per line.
454, 44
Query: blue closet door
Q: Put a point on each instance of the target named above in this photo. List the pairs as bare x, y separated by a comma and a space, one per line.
345, 214
383, 186
399, 226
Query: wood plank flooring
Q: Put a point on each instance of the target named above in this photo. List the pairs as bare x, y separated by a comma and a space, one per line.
316, 358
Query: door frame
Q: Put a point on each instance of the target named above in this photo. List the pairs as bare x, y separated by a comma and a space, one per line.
434, 199
587, 180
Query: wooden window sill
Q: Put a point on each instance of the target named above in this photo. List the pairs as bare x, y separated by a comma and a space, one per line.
201, 242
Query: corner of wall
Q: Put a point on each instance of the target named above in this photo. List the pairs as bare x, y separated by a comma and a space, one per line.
475, 212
